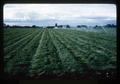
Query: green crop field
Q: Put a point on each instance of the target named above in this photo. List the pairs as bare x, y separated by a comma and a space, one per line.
37, 52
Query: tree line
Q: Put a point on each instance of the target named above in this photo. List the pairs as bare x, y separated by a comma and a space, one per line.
97, 26
59, 26
17, 26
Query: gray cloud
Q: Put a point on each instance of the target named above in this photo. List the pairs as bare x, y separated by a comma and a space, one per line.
49, 14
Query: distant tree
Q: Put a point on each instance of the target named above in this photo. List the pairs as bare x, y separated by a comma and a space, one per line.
113, 25
50, 27
34, 26
84, 26
27, 27
60, 26
67, 26
95, 26
55, 24
110, 25
8, 26
78, 26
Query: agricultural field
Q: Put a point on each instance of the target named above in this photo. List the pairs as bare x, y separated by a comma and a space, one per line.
58, 53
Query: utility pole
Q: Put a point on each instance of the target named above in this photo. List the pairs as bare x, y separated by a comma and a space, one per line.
55, 24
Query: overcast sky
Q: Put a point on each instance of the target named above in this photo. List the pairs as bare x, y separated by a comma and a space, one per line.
49, 14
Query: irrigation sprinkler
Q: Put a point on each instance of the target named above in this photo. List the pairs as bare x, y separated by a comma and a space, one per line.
104, 29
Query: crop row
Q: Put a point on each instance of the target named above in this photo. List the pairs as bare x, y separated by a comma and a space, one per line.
39, 52
16, 52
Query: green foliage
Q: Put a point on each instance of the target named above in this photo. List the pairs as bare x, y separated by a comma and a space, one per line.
36, 52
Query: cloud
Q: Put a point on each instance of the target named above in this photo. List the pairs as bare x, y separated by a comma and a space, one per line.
61, 13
